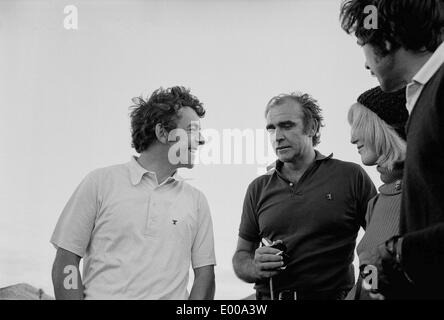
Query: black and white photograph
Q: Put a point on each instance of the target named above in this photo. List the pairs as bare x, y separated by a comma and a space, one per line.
230, 150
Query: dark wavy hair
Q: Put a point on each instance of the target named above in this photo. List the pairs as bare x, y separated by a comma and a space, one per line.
411, 24
161, 107
310, 107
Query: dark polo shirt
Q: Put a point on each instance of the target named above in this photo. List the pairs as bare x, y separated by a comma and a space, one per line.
318, 219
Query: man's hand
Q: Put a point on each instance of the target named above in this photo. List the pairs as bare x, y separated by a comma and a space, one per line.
267, 262
251, 263
392, 281
382, 260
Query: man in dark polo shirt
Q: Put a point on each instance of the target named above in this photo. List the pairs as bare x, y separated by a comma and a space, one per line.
313, 203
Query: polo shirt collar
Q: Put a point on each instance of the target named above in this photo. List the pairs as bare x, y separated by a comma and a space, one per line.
319, 156
137, 172
430, 67
278, 164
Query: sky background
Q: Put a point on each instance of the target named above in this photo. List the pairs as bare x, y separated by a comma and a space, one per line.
64, 98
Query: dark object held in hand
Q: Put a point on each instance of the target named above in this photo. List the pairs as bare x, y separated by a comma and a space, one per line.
280, 245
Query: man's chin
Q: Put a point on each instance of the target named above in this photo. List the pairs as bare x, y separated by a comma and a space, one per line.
391, 85
285, 158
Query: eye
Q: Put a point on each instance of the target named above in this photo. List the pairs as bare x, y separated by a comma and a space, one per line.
288, 126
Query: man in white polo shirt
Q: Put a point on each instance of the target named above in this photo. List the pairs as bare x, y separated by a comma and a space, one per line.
138, 226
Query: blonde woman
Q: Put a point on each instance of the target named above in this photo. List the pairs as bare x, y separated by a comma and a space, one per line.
377, 122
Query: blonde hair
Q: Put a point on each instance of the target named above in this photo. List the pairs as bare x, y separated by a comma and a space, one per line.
390, 147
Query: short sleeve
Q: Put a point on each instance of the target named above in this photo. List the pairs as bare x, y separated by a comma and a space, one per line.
249, 226
202, 252
365, 190
75, 224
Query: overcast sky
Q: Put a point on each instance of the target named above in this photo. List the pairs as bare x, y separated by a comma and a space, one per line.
64, 98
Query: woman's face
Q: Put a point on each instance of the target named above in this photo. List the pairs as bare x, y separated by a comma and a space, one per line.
365, 149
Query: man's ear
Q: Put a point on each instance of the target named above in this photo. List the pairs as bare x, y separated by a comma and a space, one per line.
161, 133
313, 129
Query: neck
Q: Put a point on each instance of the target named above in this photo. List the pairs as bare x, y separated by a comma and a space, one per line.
302, 163
155, 159
412, 62
389, 176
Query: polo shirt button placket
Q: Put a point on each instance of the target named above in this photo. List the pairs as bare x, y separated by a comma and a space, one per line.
294, 190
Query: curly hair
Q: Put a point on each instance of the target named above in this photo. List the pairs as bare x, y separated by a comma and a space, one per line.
410, 24
162, 107
310, 107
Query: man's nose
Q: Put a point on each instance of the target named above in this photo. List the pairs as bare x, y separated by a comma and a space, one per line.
366, 66
278, 135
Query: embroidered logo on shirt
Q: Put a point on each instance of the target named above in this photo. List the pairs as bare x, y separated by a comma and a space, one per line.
174, 222
329, 196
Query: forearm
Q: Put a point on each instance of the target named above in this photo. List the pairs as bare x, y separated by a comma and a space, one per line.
202, 290
67, 282
204, 285
244, 267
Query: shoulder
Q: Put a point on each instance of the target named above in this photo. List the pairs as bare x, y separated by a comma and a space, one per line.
349, 173
100, 174
345, 166
435, 85
260, 182
106, 178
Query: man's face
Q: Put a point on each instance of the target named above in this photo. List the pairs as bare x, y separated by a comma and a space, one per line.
189, 132
285, 124
387, 69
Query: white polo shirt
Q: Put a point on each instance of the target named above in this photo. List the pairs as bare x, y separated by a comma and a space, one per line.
137, 237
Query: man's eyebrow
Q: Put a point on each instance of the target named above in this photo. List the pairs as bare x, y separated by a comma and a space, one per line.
286, 123
280, 124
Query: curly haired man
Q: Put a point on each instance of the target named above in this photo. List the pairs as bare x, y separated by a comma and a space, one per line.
138, 226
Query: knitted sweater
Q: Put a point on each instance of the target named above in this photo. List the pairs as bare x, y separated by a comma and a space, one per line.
382, 218
383, 210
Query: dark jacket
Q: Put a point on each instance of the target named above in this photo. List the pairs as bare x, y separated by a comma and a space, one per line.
422, 209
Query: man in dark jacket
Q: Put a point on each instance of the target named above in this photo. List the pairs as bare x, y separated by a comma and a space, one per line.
405, 49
